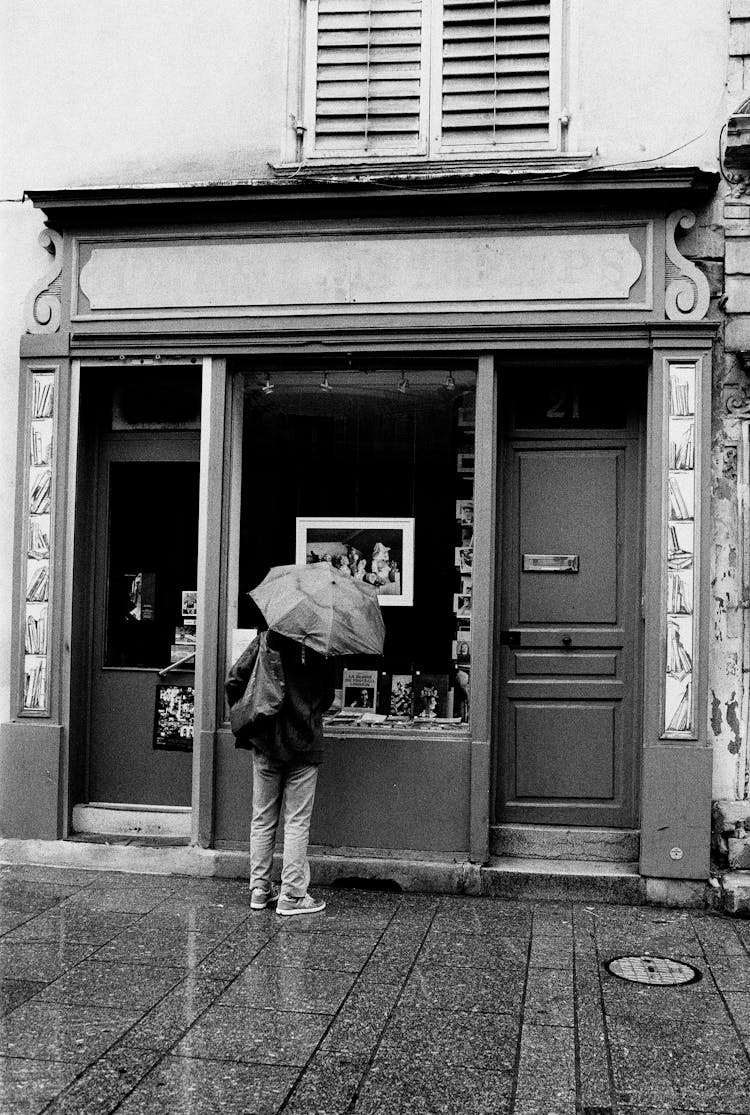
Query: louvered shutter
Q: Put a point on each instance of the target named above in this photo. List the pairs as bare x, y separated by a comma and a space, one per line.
369, 77
495, 73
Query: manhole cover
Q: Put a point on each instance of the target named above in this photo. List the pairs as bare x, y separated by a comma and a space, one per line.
658, 970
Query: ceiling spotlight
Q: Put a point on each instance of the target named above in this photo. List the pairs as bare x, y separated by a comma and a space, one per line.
324, 382
403, 384
267, 387
450, 383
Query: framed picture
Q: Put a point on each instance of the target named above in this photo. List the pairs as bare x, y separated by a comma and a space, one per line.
379, 552
465, 463
174, 721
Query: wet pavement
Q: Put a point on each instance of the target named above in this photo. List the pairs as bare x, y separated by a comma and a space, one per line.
152, 995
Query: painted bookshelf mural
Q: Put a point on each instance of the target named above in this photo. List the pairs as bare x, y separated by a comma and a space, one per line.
35, 694
678, 712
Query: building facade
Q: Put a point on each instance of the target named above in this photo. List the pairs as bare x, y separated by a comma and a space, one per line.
430, 290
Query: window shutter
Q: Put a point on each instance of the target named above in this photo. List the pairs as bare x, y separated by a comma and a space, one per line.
496, 79
368, 92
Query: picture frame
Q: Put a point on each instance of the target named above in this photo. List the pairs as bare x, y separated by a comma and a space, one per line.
379, 551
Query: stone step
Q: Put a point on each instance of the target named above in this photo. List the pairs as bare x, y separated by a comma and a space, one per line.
552, 842
514, 877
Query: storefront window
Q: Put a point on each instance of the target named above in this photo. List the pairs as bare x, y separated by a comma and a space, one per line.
374, 472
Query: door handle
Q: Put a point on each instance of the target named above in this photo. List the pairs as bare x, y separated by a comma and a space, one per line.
510, 638
176, 665
567, 642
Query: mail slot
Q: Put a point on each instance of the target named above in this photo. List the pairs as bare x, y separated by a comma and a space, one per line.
550, 563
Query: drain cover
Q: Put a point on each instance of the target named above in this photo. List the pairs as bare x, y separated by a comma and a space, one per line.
658, 970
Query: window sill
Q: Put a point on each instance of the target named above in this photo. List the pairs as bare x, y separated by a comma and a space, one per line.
406, 731
517, 164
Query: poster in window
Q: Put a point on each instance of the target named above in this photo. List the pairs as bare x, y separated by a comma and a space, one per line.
174, 722
430, 696
379, 552
401, 695
360, 689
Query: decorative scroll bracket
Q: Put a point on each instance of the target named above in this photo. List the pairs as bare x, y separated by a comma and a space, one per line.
737, 400
42, 309
687, 297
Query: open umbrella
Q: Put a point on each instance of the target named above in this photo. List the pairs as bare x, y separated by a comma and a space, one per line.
322, 608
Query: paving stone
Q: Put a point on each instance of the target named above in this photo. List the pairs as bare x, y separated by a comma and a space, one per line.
120, 899
62, 1033
42, 961
393, 1087
125, 986
551, 952
99, 1089
254, 1035
732, 974
549, 997
464, 989
28, 1086
546, 1072
335, 950
457, 949
72, 926
13, 992
359, 1024
178, 913
328, 1086
167, 1022
235, 952
686, 1002
205, 1087
697, 1066
553, 919
479, 1041
293, 989
176, 947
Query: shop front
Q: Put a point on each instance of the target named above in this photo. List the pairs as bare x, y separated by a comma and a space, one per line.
498, 419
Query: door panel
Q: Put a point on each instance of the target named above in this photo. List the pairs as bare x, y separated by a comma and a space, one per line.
567, 701
146, 557
568, 505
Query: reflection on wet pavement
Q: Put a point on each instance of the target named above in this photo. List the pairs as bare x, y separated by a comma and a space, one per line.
151, 995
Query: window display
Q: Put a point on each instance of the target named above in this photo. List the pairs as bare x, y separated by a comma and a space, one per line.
372, 471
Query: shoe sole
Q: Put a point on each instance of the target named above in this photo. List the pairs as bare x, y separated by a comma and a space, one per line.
264, 905
295, 913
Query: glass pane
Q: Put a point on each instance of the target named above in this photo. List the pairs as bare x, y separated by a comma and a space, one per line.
373, 472
563, 399
153, 542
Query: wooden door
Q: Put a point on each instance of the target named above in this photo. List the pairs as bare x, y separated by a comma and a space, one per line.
145, 560
570, 614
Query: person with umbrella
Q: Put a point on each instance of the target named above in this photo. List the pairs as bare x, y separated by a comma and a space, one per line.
312, 612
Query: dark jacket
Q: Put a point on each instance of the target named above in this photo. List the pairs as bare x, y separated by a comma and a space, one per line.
295, 734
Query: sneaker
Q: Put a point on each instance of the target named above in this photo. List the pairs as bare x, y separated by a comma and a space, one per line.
288, 907
260, 898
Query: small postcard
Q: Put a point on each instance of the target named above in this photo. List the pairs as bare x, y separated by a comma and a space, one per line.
360, 689
464, 558
189, 603
430, 696
465, 463
465, 512
462, 604
185, 635
462, 648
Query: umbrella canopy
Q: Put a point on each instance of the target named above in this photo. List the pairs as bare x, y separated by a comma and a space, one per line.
326, 610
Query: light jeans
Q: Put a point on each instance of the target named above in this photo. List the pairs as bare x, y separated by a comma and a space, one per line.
296, 783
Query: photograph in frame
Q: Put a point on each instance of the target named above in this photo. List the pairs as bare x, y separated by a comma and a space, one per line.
379, 552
